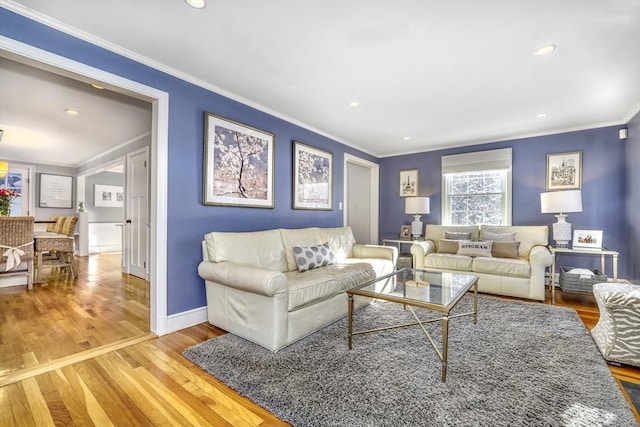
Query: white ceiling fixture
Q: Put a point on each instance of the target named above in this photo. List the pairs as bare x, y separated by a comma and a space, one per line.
541, 115
71, 112
546, 49
412, 60
197, 4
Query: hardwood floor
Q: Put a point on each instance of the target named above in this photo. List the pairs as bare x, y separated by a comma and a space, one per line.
150, 383
65, 316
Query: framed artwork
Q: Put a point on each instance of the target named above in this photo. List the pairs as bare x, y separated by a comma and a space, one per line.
409, 183
405, 232
587, 239
312, 177
564, 171
108, 196
56, 191
238, 164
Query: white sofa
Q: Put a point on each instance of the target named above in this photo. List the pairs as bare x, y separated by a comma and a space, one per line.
522, 275
254, 288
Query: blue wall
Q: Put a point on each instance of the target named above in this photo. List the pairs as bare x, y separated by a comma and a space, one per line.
603, 186
188, 219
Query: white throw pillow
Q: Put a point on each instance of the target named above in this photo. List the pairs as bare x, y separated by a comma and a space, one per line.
472, 248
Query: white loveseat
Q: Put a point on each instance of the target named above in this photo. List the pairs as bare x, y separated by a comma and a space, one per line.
522, 274
254, 288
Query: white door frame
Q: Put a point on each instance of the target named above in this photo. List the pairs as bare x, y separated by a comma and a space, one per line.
31, 55
374, 185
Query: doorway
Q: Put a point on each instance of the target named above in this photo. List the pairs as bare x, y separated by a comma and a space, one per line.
361, 197
159, 100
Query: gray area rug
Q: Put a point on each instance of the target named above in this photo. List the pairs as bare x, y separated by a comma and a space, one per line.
633, 390
523, 364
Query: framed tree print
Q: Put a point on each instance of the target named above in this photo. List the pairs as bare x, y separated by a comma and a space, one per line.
312, 177
409, 183
238, 164
564, 171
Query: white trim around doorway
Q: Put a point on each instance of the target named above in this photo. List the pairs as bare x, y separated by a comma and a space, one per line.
375, 192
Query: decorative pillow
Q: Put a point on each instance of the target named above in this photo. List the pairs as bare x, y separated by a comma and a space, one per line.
447, 246
311, 257
505, 249
498, 237
471, 248
451, 235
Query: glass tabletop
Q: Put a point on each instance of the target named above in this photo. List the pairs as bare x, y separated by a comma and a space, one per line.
440, 291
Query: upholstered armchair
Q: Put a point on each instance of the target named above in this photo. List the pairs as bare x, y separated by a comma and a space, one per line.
617, 333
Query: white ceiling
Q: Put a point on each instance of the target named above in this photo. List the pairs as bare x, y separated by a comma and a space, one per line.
444, 73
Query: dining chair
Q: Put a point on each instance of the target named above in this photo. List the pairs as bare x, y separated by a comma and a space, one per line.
16, 247
56, 249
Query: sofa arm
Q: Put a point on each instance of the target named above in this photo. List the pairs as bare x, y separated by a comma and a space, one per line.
375, 251
419, 250
540, 257
244, 277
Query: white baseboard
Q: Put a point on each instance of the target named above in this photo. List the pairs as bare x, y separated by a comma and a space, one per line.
186, 319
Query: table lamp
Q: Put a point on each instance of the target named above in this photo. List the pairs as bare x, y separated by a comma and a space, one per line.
559, 202
416, 206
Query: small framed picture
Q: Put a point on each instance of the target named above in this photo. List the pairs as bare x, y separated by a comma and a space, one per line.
587, 239
564, 171
405, 231
409, 183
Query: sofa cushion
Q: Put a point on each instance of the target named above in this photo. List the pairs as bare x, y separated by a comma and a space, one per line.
497, 237
302, 237
324, 283
502, 266
260, 248
447, 246
435, 232
448, 262
528, 235
505, 249
340, 239
310, 257
471, 248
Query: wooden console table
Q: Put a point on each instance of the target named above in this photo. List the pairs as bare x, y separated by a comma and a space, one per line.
602, 252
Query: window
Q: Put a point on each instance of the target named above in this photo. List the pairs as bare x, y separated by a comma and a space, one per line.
477, 188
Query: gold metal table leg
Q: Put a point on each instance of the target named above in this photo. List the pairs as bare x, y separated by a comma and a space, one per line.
350, 317
445, 346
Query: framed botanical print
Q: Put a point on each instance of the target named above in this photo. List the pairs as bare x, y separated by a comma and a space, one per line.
238, 164
564, 171
312, 177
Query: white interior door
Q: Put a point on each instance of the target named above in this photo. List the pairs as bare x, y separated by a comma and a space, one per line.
361, 198
135, 236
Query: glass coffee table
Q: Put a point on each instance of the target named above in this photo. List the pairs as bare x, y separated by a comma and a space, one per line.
439, 292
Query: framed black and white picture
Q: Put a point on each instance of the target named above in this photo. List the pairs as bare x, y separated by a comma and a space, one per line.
409, 183
56, 191
564, 171
238, 164
108, 196
312, 177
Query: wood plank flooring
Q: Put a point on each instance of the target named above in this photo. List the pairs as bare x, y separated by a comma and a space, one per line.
150, 383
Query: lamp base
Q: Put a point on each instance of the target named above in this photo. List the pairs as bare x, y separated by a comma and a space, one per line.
562, 231
416, 226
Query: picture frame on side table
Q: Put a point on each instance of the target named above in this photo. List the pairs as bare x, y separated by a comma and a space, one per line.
405, 232
409, 183
564, 171
55, 191
312, 178
587, 239
238, 164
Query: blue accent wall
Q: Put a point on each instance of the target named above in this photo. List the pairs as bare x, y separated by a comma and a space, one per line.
603, 187
188, 218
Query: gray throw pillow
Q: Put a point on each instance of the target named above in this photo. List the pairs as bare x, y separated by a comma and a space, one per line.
505, 249
456, 235
498, 237
311, 257
473, 248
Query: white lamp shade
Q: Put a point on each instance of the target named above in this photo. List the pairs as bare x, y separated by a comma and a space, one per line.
561, 201
416, 205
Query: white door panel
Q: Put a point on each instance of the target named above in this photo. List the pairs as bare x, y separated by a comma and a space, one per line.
135, 231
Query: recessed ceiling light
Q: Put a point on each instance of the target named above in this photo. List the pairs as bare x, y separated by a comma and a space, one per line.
196, 4
72, 112
406, 138
97, 86
543, 50
354, 103
541, 115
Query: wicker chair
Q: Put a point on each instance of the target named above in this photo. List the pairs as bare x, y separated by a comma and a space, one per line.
16, 246
56, 249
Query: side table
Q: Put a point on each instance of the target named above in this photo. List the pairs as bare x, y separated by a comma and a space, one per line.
402, 241
602, 252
